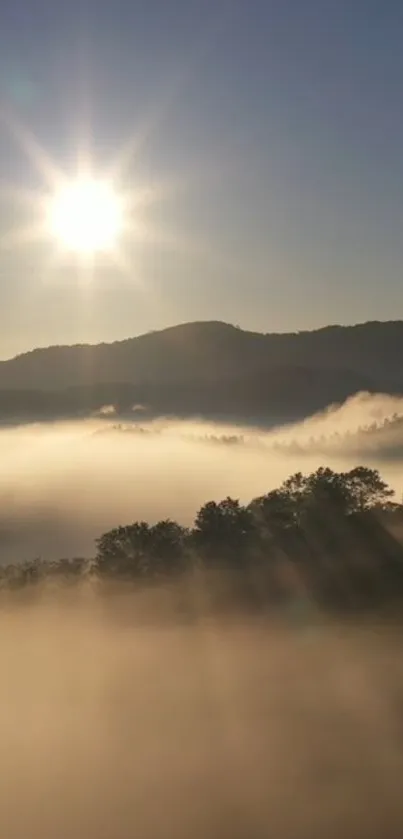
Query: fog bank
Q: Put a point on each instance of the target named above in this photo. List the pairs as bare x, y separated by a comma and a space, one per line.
63, 484
111, 729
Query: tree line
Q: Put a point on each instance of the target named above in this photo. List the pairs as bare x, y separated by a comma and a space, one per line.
326, 534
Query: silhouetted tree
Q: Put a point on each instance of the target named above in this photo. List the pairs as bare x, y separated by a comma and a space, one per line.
141, 550
367, 490
168, 546
224, 532
124, 550
274, 513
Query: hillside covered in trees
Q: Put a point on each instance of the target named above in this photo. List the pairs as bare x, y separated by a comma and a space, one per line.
208, 369
325, 537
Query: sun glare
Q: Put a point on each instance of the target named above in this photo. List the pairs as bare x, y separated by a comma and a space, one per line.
85, 213
86, 216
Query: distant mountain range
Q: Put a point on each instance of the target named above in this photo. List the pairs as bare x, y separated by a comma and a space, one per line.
209, 369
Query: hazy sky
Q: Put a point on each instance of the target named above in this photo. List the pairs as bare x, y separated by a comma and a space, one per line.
272, 129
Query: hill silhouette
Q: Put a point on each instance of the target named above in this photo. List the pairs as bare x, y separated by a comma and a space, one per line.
207, 369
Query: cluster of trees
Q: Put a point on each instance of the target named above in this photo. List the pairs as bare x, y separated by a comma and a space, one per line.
375, 433
329, 529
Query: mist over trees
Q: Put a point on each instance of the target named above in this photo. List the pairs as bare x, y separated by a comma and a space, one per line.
323, 537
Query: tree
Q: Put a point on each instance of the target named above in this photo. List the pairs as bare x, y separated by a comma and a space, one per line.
327, 494
223, 532
339, 493
274, 512
124, 550
367, 490
141, 550
312, 520
168, 546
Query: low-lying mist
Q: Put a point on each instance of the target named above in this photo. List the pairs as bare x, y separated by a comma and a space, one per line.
63, 484
112, 727
169, 712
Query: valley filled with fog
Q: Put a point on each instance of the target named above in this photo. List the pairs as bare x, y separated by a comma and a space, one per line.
63, 484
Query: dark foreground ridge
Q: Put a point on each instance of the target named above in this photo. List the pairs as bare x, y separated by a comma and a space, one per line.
323, 539
207, 369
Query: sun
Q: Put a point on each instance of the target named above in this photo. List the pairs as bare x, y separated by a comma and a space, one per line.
85, 212
85, 216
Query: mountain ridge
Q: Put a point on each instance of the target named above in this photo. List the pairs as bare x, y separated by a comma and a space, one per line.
328, 328
208, 368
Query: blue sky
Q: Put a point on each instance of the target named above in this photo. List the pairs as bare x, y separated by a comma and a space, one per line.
278, 128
